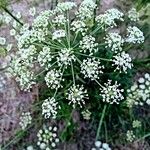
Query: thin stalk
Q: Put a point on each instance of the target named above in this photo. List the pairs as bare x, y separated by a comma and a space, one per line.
100, 122
6, 10
76, 35
68, 29
72, 73
99, 83
93, 56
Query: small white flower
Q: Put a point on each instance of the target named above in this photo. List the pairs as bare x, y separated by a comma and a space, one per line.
101, 146
49, 108
30, 148
91, 68
133, 15
88, 44
25, 120
122, 61
53, 79
18, 15
12, 32
58, 34
111, 93
76, 95
32, 11
2, 41
134, 35
114, 41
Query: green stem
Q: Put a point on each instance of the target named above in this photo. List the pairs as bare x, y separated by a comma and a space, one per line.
72, 73
93, 56
100, 122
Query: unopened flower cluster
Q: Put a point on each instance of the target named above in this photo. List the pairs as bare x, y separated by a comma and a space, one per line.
47, 138
25, 120
139, 93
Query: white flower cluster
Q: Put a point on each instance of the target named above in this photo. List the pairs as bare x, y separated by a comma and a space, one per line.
65, 57
130, 136
22, 74
49, 108
111, 93
134, 35
139, 93
26, 80
64, 6
86, 114
58, 34
31, 36
108, 18
45, 57
79, 26
122, 61
88, 44
27, 55
101, 146
76, 95
25, 120
42, 19
91, 68
53, 79
136, 124
47, 138
86, 9
60, 20
133, 15
114, 41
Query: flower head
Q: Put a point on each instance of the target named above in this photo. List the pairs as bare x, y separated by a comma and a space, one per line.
122, 61
88, 45
49, 108
109, 17
65, 56
91, 68
111, 93
133, 15
134, 35
114, 41
76, 95
53, 78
